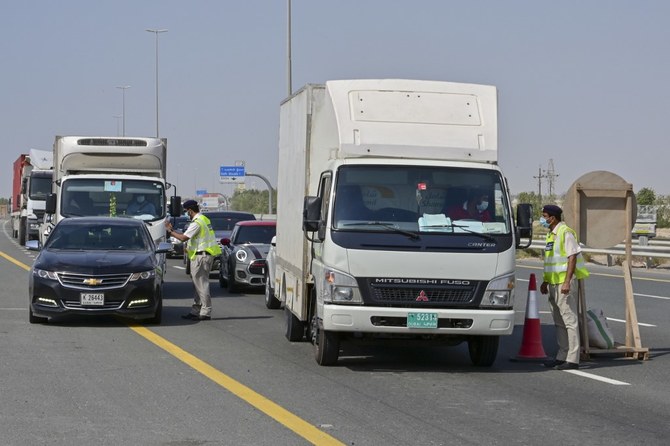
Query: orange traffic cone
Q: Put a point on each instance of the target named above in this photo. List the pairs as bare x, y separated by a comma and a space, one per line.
531, 344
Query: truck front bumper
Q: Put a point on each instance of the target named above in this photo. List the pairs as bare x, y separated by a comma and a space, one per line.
345, 318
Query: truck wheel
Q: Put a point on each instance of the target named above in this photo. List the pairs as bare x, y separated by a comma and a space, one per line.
326, 345
35, 319
483, 350
271, 301
23, 232
295, 329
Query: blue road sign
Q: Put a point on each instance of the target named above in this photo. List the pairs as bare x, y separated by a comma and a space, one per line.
231, 171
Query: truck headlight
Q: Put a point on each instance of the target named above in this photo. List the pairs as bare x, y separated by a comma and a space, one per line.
340, 288
499, 292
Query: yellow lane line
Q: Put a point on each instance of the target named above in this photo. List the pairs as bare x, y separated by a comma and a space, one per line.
271, 409
14, 261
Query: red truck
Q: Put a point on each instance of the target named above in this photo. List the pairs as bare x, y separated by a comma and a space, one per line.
31, 182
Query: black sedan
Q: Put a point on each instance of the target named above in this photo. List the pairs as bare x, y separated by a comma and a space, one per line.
96, 266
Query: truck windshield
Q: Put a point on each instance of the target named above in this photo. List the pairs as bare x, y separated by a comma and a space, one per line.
421, 199
141, 199
40, 187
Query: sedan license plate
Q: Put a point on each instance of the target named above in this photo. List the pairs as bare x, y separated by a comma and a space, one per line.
93, 299
421, 320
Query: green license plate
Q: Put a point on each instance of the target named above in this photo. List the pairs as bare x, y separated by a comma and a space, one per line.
421, 320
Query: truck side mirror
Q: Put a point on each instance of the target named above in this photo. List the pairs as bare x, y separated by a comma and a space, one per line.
175, 206
311, 214
524, 224
50, 205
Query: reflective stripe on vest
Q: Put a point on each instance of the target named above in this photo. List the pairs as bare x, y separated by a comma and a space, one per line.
205, 239
556, 259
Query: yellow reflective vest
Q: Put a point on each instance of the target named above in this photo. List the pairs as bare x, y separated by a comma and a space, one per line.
205, 239
556, 259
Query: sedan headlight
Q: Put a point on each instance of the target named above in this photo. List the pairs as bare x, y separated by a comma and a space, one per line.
44, 274
241, 255
499, 292
340, 288
144, 275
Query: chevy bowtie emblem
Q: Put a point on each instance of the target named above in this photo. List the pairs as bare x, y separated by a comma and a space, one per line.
422, 297
92, 282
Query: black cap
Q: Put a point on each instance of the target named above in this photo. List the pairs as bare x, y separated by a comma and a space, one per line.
190, 204
553, 210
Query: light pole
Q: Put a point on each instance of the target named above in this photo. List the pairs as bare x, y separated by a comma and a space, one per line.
123, 114
118, 123
157, 32
288, 49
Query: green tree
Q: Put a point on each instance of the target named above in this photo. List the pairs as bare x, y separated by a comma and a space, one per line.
253, 200
646, 196
533, 199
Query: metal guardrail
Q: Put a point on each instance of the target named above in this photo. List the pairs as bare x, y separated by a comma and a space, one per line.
657, 248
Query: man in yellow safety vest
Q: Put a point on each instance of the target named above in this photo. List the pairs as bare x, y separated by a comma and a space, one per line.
201, 249
563, 266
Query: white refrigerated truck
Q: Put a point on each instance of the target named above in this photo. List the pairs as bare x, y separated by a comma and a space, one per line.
96, 175
374, 177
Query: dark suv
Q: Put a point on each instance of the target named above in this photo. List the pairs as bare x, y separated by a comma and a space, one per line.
223, 223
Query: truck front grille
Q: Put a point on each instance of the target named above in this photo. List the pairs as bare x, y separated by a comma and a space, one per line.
415, 296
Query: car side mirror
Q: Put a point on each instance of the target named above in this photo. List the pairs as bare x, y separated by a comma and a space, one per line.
225, 241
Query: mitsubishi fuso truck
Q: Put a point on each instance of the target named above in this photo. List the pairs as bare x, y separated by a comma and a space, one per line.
394, 220
109, 176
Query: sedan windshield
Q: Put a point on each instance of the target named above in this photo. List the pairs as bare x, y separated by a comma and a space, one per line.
255, 234
97, 237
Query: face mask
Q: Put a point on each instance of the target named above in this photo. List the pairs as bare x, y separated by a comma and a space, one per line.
481, 207
140, 199
544, 222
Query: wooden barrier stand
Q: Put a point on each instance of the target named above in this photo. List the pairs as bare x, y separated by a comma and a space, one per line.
594, 203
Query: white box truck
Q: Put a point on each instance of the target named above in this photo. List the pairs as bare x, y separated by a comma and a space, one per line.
109, 176
376, 181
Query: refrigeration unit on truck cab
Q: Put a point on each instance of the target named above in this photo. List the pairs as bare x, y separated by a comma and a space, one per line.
393, 218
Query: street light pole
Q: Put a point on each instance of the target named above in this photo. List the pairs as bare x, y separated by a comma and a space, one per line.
123, 114
156, 32
118, 118
289, 74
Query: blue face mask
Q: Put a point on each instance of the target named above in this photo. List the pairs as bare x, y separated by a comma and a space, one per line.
543, 222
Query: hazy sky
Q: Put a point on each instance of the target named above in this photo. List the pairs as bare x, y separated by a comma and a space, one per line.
583, 83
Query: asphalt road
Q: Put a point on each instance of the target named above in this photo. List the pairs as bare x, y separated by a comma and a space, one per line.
235, 380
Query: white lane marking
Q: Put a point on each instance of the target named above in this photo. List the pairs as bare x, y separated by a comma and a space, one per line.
651, 295
598, 378
179, 267
623, 321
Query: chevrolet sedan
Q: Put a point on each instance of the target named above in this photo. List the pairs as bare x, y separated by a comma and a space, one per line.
97, 266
